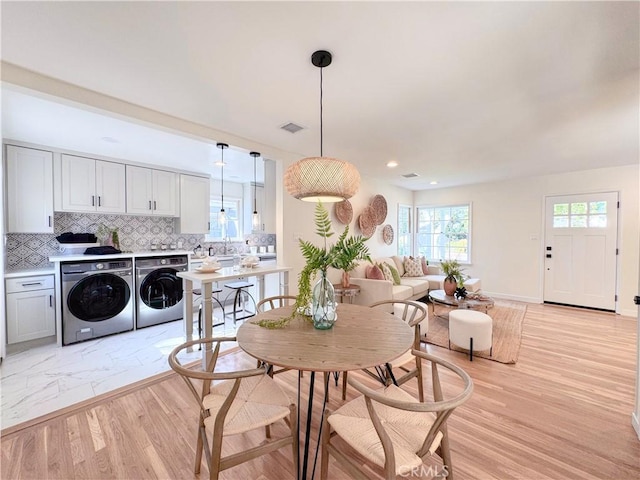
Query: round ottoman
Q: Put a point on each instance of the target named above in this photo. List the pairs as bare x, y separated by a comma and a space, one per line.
470, 329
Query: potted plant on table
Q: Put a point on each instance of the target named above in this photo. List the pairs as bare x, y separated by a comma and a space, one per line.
344, 255
453, 275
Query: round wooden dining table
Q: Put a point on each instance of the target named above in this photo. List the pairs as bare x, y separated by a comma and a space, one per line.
362, 337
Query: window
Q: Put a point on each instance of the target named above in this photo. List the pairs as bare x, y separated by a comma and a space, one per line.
580, 215
233, 209
443, 233
405, 244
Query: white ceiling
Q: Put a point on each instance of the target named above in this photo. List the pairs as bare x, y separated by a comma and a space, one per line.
458, 92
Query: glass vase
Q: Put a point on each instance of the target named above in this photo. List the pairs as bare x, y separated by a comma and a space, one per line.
323, 304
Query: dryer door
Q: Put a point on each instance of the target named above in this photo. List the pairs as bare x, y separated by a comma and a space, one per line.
161, 289
98, 297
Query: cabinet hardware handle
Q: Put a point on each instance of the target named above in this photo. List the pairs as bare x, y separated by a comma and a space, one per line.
99, 201
150, 205
51, 300
49, 220
93, 200
34, 284
154, 205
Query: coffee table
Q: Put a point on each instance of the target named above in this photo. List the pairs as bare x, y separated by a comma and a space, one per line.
441, 298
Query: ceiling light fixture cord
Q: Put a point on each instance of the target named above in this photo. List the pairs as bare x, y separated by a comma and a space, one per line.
321, 126
255, 201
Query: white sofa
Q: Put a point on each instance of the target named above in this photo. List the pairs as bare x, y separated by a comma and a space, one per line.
410, 288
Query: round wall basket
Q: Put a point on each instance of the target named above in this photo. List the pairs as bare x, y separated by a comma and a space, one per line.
367, 222
344, 212
387, 234
379, 206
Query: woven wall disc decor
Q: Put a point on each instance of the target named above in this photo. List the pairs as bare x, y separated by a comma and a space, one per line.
387, 234
344, 212
379, 206
367, 222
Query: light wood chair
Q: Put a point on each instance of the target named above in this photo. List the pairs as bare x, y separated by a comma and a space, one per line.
393, 430
276, 301
269, 303
415, 315
234, 402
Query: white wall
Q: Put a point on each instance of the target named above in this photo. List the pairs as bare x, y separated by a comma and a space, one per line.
508, 229
298, 221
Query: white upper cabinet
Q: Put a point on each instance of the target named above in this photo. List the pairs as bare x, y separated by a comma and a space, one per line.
90, 185
194, 204
29, 190
151, 192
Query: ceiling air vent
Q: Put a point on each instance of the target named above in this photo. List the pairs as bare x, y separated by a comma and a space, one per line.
291, 127
410, 175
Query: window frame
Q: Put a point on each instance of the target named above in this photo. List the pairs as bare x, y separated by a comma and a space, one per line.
230, 202
469, 231
410, 233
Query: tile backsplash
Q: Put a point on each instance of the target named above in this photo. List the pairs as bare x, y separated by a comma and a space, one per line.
136, 233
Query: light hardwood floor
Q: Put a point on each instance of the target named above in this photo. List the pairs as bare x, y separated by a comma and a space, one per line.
563, 411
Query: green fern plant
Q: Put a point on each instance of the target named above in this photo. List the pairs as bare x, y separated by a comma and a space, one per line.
343, 255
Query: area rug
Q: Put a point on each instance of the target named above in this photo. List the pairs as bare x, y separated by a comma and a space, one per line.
507, 331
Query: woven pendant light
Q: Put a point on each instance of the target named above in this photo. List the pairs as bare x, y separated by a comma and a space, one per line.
321, 178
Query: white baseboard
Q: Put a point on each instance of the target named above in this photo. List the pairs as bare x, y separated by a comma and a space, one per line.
635, 421
632, 312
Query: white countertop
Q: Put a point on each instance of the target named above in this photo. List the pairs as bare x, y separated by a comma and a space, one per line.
29, 272
150, 253
228, 273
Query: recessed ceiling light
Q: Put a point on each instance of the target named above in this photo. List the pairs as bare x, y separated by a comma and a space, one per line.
220, 164
392, 164
110, 140
433, 183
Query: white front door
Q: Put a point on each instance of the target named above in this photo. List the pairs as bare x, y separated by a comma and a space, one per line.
580, 250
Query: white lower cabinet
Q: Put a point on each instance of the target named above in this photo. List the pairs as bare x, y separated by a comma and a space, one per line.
30, 308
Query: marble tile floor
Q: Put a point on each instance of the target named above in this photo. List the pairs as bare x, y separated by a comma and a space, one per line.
46, 378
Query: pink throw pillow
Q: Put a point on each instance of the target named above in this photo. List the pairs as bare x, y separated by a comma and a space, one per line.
425, 270
374, 273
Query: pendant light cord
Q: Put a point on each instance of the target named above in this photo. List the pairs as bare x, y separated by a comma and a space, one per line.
255, 201
321, 126
222, 179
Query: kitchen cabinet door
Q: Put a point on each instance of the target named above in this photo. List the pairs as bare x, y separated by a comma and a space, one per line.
194, 204
139, 190
90, 185
78, 184
110, 187
30, 308
29, 190
165, 193
151, 192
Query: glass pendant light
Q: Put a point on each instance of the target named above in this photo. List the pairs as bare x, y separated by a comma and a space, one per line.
255, 218
222, 216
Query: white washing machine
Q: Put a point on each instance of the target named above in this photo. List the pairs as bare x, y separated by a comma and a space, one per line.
159, 289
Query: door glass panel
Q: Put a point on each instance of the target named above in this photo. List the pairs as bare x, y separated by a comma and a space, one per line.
598, 207
579, 221
598, 221
561, 209
161, 289
579, 208
560, 222
98, 297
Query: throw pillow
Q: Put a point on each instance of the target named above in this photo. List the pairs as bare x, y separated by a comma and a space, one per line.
412, 268
394, 274
424, 263
386, 271
374, 273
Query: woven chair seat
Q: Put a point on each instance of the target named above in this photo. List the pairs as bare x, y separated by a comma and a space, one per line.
407, 430
260, 401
